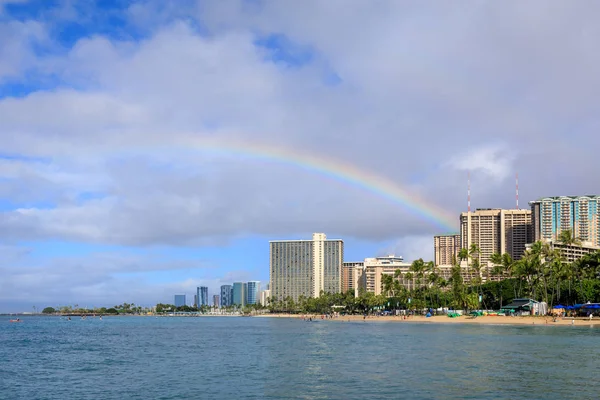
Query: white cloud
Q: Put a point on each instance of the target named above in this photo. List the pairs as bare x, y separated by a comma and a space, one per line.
494, 161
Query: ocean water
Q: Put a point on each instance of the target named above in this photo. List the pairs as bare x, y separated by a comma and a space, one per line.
278, 358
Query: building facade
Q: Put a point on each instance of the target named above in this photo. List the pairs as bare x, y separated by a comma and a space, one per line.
496, 231
179, 300
579, 214
216, 301
305, 267
571, 252
239, 294
374, 268
202, 296
253, 292
226, 295
265, 295
348, 275
446, 248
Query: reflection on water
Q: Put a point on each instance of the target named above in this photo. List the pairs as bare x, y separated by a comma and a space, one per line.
173, 358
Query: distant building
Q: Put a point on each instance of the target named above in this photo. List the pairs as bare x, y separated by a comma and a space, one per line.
203, 295
179, 300
446, 248
579, 214
264, 297
239, 294
348, 275
359, 278
252, 293
305, 267
216, 301
226, 295
195, 300
496, 231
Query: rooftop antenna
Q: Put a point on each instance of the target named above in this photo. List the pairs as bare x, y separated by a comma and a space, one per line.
469, 191
517, 182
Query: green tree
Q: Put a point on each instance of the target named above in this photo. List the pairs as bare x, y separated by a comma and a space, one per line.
49, 310
567, 237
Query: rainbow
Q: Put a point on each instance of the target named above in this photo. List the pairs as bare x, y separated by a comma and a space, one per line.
333, 169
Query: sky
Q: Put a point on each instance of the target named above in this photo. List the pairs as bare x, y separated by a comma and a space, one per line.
150, 147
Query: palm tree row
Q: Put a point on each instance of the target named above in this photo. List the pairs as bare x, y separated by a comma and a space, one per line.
544, 274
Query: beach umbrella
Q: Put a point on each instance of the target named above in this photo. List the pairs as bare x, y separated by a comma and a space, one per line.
570, 308
559, 306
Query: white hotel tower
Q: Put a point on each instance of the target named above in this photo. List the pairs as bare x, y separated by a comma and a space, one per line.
305, 267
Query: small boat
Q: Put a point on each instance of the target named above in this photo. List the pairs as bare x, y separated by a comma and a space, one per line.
16, 320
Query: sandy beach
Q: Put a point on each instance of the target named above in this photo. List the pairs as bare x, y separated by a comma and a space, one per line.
443, 319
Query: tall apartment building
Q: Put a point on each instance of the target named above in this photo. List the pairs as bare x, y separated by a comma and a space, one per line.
239, 293
202, 296
580, 214
216, 301
348, 275
360, 278
496, 231
375, 267
305, 267
446, 248
226, 295
252, 293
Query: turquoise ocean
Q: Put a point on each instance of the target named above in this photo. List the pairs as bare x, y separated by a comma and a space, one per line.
280, 358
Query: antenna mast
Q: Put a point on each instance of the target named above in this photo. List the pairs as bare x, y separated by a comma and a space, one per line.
469, 191
517, 182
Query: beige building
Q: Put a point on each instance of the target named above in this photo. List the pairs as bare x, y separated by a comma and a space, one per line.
305, 267
348, 275
375, 267
571, 252
467, 273
446, 248
264, 296
496, 231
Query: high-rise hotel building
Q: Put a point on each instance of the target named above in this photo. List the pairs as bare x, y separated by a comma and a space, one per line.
349, 277
496, 231
580, 214
305, 267
446, 248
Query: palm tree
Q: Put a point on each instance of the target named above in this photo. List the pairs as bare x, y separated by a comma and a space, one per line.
568, 238
387, 284
409, 276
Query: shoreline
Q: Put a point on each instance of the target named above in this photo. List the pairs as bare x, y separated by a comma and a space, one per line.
444, 319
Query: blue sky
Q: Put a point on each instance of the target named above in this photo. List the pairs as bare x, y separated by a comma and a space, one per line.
107, 197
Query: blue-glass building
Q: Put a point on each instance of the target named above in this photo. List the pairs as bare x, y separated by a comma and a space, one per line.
226, 295
202, 295
252, 293
179, 300
239, 293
